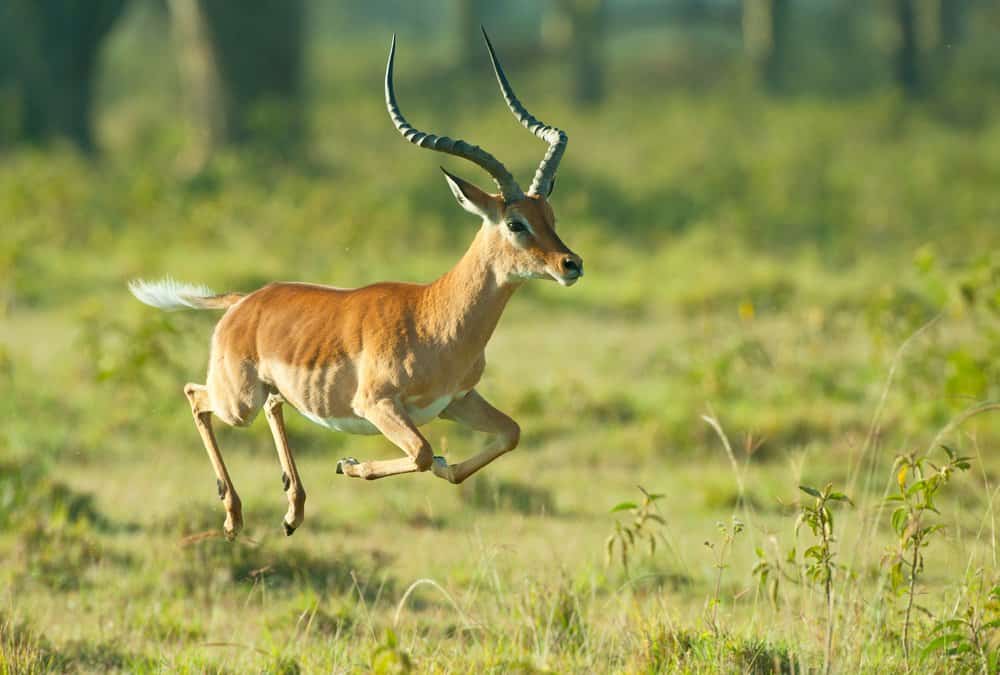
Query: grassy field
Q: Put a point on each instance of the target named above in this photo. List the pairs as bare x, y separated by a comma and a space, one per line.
820, 280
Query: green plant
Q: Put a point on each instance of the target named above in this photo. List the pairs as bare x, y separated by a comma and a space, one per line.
972, 637
643, 527
771, 570
388, 657
918, 481
721, 554
818, 562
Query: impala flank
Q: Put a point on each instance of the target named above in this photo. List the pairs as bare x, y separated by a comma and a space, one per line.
385, 358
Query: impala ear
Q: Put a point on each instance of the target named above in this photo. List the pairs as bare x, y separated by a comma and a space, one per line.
472, 199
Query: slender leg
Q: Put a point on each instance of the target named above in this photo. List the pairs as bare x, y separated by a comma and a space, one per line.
201, 408
391, 419
289, 473
475, 412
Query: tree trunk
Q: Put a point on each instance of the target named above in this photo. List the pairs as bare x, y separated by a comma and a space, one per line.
586, 22
766, 36
53, 47
950, 29
775, 64
242, 63
469, 20
908, 55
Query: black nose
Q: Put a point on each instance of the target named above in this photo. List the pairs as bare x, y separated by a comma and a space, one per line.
573, 266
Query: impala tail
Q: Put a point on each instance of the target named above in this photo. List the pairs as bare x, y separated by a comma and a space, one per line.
172, 295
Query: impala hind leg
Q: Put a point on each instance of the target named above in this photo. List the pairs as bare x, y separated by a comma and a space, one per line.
289, 473
391, 419
201, 408
475, 412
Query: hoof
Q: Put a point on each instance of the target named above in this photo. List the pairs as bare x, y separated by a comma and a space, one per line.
285, 481
222, 489
289, 530
441, 469
342, 462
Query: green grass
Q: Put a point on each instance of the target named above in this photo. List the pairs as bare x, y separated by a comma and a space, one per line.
762, 262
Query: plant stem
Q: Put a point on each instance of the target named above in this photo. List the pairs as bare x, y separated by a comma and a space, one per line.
828, 657
909, 603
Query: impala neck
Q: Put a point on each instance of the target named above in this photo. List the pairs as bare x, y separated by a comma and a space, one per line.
465, 304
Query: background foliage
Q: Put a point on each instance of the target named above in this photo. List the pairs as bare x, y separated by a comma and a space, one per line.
788, 212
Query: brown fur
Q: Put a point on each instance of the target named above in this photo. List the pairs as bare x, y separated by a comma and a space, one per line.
372, 355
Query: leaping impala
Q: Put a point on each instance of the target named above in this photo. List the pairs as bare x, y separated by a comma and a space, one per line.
389, 357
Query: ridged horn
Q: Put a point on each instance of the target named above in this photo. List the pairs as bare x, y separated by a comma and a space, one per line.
557, 139
509, 189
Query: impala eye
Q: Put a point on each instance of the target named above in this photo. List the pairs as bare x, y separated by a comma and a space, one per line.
516, 226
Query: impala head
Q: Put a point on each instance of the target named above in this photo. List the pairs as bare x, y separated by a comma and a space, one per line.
518, 228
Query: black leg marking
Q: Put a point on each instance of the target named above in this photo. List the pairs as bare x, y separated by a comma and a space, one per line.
222, 488
289, 530
285, 480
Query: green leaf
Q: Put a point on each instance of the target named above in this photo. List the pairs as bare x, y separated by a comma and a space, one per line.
941, 642
950, 623
899, 518
916, 487
810, 491
839, 497
624, 506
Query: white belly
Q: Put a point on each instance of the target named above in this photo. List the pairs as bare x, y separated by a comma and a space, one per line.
359, 425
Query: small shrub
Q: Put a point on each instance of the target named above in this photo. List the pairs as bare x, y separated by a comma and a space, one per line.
388, 658
721, 555
918, 480
970, 640
643, 530
818, 559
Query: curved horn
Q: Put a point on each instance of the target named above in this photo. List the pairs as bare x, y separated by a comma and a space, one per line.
557, 139
509, 189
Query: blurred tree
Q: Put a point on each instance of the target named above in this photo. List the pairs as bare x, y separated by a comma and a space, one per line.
775, 63
766, 32
242, 64
950, 28
578, 29
908, 51
469, 16
51, 49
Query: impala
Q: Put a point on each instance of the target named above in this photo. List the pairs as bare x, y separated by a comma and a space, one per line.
389, 357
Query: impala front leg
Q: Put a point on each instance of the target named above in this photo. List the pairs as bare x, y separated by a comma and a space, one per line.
475, 412
391, 419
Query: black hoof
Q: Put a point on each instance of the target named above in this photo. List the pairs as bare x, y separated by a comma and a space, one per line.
222, 489
342, 462
289, 530
285, 480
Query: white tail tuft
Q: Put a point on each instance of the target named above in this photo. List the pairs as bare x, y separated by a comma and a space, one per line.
169, 294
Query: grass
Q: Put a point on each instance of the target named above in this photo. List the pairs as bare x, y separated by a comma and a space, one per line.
759, 264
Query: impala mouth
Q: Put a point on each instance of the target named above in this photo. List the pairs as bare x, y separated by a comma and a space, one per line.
565, 280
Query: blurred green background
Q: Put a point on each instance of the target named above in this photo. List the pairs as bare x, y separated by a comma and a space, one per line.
771, 197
